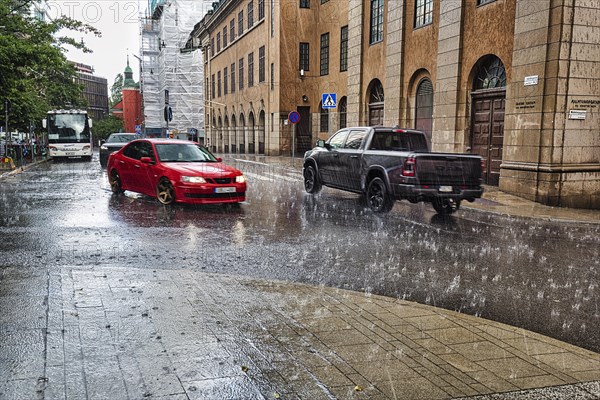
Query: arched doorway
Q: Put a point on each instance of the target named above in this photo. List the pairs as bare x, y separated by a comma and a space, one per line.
376, 102
242, 134
220, 130
343, 109
488, 100
261, 133
424, 107
214, 134
251, 134
235, 134
226, 135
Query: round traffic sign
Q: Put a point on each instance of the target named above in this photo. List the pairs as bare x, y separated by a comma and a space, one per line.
294, 117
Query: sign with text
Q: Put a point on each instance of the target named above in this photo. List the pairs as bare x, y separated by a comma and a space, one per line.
577, 114
531, 80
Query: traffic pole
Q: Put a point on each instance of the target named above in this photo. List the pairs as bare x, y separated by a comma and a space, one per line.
293, 140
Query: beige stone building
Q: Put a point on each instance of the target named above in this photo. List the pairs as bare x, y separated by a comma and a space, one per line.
516, 81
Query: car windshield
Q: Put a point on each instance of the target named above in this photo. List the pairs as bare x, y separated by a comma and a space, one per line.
120, 138
183, 152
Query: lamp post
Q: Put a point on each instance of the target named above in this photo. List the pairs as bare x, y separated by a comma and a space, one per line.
141, 108
210, 114
7, 140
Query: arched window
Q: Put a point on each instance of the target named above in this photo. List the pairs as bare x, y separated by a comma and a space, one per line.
251, 133
343, 108
234, 133
226, 134
220, 130
424, 106
242, 135
376, 102
324, 118
490, 74
261, 132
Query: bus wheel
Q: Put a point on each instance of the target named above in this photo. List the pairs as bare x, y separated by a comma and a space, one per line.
115, 182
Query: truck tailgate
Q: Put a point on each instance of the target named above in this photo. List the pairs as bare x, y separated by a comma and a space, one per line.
448, 169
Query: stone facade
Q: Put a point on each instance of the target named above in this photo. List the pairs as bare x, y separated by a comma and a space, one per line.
252, 118
515, 81
552, 157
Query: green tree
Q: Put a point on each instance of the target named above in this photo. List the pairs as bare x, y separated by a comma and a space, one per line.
116, 90
106, 126
35, 75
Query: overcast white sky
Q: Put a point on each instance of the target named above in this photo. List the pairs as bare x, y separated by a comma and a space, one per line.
118, 22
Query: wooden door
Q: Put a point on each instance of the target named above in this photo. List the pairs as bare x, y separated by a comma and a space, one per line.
487, 133
304, 140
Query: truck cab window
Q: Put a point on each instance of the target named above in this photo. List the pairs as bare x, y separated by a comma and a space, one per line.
337, 140
355, 139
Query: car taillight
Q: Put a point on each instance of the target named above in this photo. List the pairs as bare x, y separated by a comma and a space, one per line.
410, 166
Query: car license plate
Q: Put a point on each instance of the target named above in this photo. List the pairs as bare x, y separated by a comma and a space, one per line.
225, 190
69, 153
445, 189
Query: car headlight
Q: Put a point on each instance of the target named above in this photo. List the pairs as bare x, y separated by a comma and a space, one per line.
193, 179
240, 179
103, 147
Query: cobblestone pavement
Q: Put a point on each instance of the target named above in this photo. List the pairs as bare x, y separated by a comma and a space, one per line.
124, 333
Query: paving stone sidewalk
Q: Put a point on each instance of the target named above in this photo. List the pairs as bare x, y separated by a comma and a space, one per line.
123, 333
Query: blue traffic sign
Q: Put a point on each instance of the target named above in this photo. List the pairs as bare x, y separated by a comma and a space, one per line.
138, 129
329, 100
294, 117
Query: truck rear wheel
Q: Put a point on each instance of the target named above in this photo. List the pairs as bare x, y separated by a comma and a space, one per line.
445, 206
312, 184
378, 197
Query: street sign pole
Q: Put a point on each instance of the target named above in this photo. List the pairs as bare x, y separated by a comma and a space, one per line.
294, 118
8, 138
329, 122
293, 140
329, 102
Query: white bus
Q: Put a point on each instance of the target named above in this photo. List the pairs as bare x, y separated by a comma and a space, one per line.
69, 134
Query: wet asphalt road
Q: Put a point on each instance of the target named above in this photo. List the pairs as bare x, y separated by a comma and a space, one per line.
539, 275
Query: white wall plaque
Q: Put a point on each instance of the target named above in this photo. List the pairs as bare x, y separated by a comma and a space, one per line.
577, 114
531, 80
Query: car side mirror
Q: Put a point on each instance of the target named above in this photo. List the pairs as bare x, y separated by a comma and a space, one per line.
146, 160
321, 143
102, 142
219, 159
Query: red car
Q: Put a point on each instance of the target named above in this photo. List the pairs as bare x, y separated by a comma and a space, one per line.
174, 171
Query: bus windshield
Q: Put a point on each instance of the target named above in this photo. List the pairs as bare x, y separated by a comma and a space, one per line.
68, 128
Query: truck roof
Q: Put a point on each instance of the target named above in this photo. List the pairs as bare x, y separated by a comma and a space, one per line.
385, 128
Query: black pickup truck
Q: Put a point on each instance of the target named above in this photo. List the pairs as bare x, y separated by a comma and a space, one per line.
388, 164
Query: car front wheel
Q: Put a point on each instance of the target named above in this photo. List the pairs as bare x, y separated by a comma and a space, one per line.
165, 192
312, 184
378, 198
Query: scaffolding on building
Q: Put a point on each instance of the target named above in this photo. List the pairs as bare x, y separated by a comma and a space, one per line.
171, 75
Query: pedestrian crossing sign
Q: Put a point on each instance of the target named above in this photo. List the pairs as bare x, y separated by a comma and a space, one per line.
329, 100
